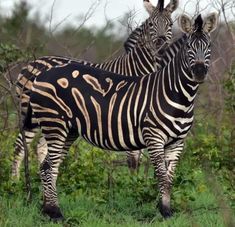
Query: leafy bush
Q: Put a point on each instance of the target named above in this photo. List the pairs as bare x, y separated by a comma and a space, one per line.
229, 85
10, 53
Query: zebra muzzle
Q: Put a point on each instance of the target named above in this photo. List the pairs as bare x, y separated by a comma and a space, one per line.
199, 71
160, 41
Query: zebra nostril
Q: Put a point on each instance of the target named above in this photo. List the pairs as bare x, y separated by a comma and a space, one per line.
161, 40
199, 62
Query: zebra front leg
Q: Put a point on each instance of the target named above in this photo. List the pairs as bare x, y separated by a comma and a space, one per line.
172, 155
157, 157
19, 151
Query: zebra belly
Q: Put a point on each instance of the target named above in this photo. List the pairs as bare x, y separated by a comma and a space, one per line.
107, 133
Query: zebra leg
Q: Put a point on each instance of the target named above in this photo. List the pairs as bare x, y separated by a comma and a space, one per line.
19, 151
157, 157
50, 202
41, 149
133, 159
69, 141
49, 172
172, 155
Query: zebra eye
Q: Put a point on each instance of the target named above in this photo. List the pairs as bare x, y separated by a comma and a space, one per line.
150, 24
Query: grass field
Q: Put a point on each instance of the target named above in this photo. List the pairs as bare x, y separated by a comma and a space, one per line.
120, 209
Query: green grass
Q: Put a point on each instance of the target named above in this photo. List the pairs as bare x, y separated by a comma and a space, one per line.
120, 209
83, 211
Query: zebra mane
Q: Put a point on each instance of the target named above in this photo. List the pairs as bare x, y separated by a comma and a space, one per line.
161, 5
132, 39
198, 23
166, 54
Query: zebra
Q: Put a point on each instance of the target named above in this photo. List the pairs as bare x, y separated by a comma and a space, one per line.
122, 113
138, 60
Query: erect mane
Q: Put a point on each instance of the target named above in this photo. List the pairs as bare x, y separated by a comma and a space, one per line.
198, 23
161, 5
166, 53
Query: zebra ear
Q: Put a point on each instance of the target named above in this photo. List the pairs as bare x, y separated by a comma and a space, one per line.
185, 23
149, 6
210, 23
172, 6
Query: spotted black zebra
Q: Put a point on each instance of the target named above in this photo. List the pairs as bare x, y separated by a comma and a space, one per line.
122, 113
138, 60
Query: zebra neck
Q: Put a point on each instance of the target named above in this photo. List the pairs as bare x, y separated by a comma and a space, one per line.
166, 55
184, 72
183, 82
137, 62
138, 38
174, 83
142, 60
133, 39
175, 59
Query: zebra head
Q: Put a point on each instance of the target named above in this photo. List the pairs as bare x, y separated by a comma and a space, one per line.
158, 27
198, 44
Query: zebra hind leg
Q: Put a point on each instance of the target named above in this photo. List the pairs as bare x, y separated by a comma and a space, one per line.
19, 151
133, 160
48, 177
41, 149
49, 172
50, 204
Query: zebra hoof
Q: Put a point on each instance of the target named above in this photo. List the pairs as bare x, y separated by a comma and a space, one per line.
165, 211
53, 212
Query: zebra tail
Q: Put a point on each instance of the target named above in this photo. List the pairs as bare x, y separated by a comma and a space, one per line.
28, 119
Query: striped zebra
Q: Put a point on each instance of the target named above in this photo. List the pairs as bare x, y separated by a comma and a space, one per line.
138, 60
122, 113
